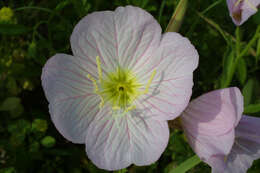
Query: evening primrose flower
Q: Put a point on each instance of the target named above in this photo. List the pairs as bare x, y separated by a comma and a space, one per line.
218, 134
6, 14
241, 10
122, 84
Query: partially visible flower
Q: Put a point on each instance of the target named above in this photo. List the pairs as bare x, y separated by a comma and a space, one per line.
122, 84
6, 14
245, 150
215, 132
241, 10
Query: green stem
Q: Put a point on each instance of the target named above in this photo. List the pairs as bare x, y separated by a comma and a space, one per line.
197, 19
250, 44
34, 8
237, 42
36, 27
186, 165
211, 6
215, 25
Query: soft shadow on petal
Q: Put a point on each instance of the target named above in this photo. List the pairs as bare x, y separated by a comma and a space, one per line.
72, 103
113, 143
209, 122
123, 37
174, 63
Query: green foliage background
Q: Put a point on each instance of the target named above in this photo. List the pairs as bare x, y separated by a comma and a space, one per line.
29, 142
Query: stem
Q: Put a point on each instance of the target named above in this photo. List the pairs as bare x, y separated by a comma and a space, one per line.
249, 45
197, 19
237, 42
215, 26
34, 8
211, 6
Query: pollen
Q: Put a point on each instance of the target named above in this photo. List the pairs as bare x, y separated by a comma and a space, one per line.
119, 88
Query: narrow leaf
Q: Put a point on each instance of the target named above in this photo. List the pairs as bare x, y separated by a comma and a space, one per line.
62, 4
241, 71
13, 29
248, 91
186, 165
177, 17
258, 51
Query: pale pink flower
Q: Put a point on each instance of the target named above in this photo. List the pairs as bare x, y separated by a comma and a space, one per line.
241, 10
124, 80
217, 135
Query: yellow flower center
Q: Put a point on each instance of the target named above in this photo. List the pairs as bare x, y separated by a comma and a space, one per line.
119, 88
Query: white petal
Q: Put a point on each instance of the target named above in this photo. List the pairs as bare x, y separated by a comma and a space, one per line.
113, 143
174, 62
72, 103
122, 37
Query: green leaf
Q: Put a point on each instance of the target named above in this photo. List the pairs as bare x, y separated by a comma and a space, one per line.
177, 17
248, 91
39, 125
13, 105
48, 141
253, 108
241, 70
13, 29
10, 104
32, 49
19, 130
17, 111
20, 127
256, 18
258, 51
121, 171
186, 165
8, 170
62, 4
81, 7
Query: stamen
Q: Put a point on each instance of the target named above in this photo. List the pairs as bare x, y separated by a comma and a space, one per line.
99, 68
149, 82
130, 108
96, 90
102, 102
94, 83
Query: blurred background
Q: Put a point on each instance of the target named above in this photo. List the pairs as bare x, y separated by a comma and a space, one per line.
31, 31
